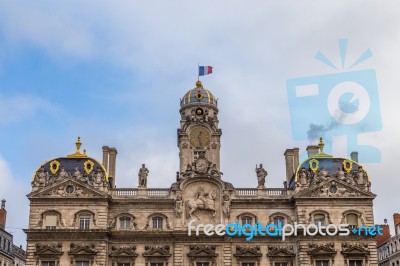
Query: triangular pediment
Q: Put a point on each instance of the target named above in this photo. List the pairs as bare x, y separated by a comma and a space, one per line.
59, 190
48, 251
154, 251
248, 251
322, 251
334, 188
280, 252
355, 251
83, 250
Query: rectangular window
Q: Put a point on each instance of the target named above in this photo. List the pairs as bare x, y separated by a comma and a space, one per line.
281, 264
157, 223
202, 264
248, 264
355, 263
124, 264
82, 263
125, 223
199, 154
48, 263
84, 222
50, 221
322, 263
157, 264
319, 219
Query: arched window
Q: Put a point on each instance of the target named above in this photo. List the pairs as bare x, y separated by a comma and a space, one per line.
319, 219
157, 222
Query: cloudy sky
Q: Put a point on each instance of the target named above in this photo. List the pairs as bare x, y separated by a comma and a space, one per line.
113, 73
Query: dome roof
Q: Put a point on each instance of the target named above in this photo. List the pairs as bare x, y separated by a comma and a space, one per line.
333, 166
198, 95
77, 166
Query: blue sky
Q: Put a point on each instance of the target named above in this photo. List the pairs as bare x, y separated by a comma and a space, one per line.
113, 73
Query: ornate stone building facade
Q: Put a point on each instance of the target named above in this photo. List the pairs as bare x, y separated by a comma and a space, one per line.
78, 216
389, 250
9, 253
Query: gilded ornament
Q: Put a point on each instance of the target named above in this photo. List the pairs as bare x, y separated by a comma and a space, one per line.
54, 166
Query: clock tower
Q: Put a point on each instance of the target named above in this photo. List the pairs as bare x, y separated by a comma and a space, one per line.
199, 135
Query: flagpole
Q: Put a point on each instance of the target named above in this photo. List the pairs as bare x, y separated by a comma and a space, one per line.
198, 71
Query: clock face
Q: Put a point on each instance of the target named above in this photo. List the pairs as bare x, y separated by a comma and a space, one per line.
199, 137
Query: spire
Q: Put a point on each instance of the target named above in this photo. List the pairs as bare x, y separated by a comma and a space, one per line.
78, 153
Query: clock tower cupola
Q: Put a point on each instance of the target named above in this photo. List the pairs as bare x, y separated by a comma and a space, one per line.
199, 135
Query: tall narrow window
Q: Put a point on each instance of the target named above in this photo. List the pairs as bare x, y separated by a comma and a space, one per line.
125, 223
279, 219
51, 222
157, 223
319, 219
48, 263
82, 263
352, 220
322, 263
355, 263
84, 222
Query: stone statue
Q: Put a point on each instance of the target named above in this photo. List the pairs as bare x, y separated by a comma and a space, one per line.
362, 178
41, 177
226, 206
188, 172
303, 178
98, 178
341, 174
143, 173
63, 174
77, 174
261, 174
214, 172
178, 204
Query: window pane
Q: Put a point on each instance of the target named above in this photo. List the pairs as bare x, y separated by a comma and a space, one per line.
319, 219
352, 219
157, 264
202, 264
247, 220
157, 222
322, 263
48, 263
84, 222
125, 223
281, 264
82, 263
279, 219
356, 263
248, 264
123, 264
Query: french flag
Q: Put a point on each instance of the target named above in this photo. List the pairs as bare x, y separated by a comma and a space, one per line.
205, 70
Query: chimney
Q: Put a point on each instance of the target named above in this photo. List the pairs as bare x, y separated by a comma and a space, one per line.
296, 158
105, 156
354, 156
112, 153
386, 234
289, 162
3, 215
312, 150
396, 220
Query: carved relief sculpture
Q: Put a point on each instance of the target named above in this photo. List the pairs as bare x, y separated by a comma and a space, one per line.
201, 201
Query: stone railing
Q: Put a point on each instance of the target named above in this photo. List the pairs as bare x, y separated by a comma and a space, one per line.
125, 192
269, 192
158, 192
276, 192
135, 192
246, 191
